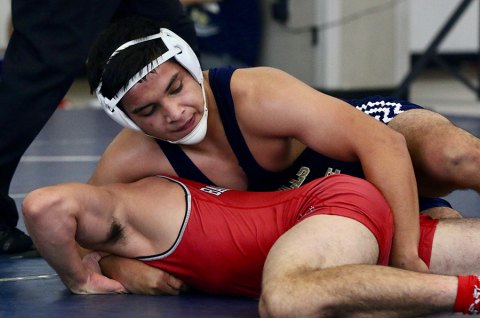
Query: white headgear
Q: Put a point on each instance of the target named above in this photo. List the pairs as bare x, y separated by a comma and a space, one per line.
184, 55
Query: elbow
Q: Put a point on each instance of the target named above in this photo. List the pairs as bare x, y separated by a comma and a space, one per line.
44, 206
38, 203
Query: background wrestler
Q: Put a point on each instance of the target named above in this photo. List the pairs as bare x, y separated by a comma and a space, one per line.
323, 241
286, 126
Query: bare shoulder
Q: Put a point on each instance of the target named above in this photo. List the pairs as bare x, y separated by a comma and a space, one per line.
258, 79
129, 157
270, 102
252, 91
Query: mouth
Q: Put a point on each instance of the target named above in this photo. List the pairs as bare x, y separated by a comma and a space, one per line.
187, 127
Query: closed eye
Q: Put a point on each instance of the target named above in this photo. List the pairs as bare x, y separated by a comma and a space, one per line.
145, 111
177, 89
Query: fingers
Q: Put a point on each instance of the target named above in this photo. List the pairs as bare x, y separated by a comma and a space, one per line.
140, 278
119, 288
113, 287
174, 282
166, 284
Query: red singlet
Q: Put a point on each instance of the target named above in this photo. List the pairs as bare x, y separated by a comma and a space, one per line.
227, 234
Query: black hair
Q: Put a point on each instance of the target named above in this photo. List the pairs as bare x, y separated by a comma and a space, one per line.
116, 73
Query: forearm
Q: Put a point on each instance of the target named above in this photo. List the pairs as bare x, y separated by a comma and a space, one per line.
52, 227
67, 262
139, 278
400, 191
392, 173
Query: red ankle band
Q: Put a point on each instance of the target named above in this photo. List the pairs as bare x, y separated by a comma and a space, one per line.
468, 295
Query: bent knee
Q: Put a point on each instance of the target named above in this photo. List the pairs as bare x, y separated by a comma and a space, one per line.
456, 158
275, 302
280, 299
453, 158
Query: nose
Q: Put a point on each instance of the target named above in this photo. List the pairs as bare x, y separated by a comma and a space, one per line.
172, 112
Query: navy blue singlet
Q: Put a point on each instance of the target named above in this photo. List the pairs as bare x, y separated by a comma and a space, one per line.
307, 167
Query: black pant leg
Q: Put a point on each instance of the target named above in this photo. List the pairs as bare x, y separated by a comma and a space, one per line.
47, 51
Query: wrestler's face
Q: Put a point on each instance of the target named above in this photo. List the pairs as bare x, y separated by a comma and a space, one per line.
166, 104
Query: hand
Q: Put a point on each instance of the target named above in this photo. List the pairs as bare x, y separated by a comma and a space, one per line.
412, 262
96, 282
140, 278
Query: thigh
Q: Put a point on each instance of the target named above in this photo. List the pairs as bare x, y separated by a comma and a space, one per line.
417, 124
425, 130
456, 248
436, 144
442, 213
318, 242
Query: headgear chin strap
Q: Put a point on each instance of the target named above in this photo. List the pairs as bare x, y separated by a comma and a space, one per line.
199, 132
184, 55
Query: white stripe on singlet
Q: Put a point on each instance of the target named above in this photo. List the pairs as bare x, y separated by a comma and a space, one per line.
188, 201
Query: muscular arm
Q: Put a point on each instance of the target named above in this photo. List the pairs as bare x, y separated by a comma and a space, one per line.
137, 277
53, 219
281, 107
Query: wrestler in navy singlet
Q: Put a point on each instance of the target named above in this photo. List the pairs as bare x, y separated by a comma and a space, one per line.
307, 167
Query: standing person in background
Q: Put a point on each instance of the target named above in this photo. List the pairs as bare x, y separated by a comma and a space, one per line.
229, 32
47, 50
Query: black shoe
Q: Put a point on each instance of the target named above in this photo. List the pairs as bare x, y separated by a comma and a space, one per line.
13, 241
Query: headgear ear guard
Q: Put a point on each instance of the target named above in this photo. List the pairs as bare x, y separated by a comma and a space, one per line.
177, 48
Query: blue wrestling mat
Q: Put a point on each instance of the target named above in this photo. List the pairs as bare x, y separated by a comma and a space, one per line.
29, 288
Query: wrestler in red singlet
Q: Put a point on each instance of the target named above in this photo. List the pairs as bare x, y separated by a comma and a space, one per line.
227, 234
